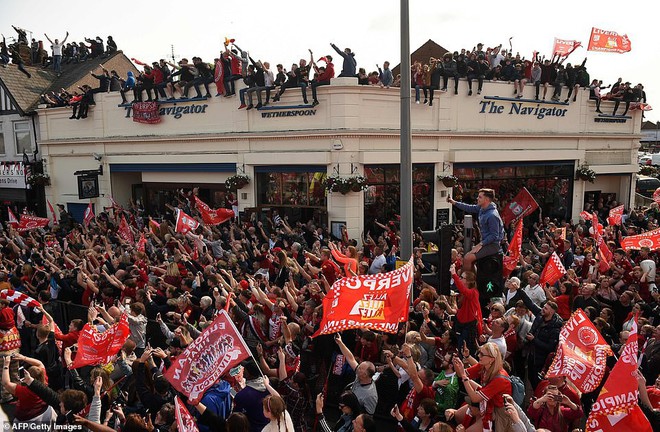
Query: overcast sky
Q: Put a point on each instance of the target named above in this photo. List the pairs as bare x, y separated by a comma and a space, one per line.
281, 32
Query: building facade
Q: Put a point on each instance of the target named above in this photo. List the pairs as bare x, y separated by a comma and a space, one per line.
288, 151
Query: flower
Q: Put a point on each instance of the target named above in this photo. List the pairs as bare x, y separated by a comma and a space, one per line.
37, 179
585, 173
345, 185
237, 181
449, 180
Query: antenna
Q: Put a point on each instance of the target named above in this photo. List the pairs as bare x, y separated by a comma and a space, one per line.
174, 57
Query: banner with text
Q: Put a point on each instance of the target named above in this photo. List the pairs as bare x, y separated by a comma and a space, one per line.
649, 239
608, 41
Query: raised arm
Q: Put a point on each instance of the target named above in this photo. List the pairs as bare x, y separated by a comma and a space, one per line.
350, 358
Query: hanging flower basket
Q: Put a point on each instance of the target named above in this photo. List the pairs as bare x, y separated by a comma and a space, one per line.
585, 173
38, 179
238, 181
448, 180
344, 185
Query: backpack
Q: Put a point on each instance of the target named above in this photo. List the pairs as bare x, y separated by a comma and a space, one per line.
517, 388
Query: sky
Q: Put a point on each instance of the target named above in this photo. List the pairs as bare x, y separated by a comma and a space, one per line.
280, 32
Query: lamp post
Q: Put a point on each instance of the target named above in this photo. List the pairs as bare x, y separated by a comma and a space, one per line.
406, 137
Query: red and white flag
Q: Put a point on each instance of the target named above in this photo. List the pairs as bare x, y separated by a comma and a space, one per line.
515, 250
585, 215
379, 302
615, 216
96, 348
19, 298
616, 408
656, 195
553, 270
184, 222
608, 41
597, 229
184, 421
522, 205
29, 222
649, 239
219, 348
212, 216
52, 212
11, 218
142, 243
581, 354
154, 226
605, 255
124, 231
564, 47
89, 215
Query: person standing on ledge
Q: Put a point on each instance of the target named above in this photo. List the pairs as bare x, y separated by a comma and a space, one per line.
490, 225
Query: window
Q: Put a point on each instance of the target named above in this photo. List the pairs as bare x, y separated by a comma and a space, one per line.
2, 141
291, 189
22, 138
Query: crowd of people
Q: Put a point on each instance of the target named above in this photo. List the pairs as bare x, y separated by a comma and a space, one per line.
453, 366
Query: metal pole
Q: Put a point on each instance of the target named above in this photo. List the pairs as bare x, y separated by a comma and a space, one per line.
406, 137
467, 233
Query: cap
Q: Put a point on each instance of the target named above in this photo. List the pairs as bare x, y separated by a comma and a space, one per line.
244, 284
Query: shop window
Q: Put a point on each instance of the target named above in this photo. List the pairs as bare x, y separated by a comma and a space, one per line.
291, 189
22, 138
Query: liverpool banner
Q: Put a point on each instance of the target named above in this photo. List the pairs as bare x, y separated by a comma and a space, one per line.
615, 216
522, 205
213, 216
124, 231
184, 222
184, 421
649, 239
29, 222
146, 112
564, 47
98, 348
581, 353
376, 302
608, 41
553, 270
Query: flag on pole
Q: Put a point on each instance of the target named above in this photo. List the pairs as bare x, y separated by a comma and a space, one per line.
124, 231
608, 41
553, 270
11, 218
212, 216
515, 250
522, 205
184, 421
52, 211
615, 216
89, 214
184, 222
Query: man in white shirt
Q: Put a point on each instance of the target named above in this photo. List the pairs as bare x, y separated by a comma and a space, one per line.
499, 326
378, 264
534, 289
57, 53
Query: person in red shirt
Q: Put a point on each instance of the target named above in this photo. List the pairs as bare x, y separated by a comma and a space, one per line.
422, 383
71, 338
29, 407
323, 78
366, 348
654, 394
468, 318
329, 269
554, 410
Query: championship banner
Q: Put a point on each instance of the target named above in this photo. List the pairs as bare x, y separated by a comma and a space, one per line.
649, 239
565, 47
377, 302
184, 421
146, 112
522, 205
29, 222
615, 216
96, 348
616, 407
213, 216
89, 215
52, 211
581, 354
608, 41
213, 353
553, 270
124, 231
510, 261
20, 298
184, 223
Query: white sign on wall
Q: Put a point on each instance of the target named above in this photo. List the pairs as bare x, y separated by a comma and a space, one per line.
12, 175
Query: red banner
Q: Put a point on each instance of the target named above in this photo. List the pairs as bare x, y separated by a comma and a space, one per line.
585, 215
52, 211
656, 196
29, 222
184, 421
98, 348
213, 216
564, 47
581, 354
649, 239
515, 250
616, 407
605, 257
615, 216
146, 112
553, 270
522, 205
12, 221
124, 231
218, 349
184, 223
376, 302
89, 215
608, 41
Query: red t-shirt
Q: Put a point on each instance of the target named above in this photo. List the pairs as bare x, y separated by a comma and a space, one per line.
491, 392
29, 405
654, 396
412, 401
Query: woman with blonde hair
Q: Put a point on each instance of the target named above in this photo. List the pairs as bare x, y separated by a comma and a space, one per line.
349, 261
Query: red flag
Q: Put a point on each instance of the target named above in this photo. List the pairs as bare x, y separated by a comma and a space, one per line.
585, 215
656, 195
52, 211
564, 47
98, 348
184, 223
228, 303
124, 231
19, 298
376, 302
597, 228
11, 218
649, 239
146, 112
89, 214
522, 205
218, 349
605, 257
142, 243
616, 407
553, 270
515, 250
212, 216
29, 222
608, 41
184, 421
581, 354
615, 216
154, 226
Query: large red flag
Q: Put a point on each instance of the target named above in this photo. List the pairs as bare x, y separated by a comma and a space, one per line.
605, 257
515, 250
581, 354
29, 222
596, 227
553, 270
615, 216
649, 239
184, 421
616, 408
98, 348
564, 47
52, 211
376, 302
213, 216
218, 349
184, 223
585, 215
522, 205
608, 41
124, 231
89, 214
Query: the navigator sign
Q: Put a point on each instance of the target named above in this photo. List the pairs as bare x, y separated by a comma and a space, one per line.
521, 109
